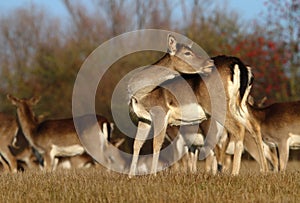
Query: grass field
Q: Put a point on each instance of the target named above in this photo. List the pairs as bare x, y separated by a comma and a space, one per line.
98, 185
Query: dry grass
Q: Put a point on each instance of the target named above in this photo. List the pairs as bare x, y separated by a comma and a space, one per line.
97, 185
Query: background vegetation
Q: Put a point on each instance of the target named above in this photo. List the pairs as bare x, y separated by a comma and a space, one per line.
40, 54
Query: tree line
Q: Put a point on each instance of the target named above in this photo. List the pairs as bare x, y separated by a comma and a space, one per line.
41, 54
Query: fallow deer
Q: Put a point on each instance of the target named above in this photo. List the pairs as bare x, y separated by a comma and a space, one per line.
119, 161
85, 160
219, 158
75, 162
225, 149
51, 138
13, 152
160, 108
186, 146
8, 129
279, 124
26, 155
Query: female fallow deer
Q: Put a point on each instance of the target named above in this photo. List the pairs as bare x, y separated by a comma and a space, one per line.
52, 138
279, 124
160, 108
12, 152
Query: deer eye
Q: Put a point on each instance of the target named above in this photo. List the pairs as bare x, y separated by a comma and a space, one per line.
188, 53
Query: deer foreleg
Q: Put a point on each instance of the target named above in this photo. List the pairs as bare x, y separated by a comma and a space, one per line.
283, 149
259, 143
141, 135
48, 162
157, 144
11, 161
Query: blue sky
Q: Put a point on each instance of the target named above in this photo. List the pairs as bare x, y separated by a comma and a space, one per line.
248, 9
53, 6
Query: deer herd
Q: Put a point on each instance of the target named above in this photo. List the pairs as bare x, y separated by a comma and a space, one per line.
201, 105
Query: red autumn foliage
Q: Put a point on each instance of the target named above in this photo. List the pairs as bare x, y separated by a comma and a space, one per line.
267, 61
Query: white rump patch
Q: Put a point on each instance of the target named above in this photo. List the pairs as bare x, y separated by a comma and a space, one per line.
294, 141
139, 110
104, 130
192, 112
188, 114
230, 148
239, 111
65, 164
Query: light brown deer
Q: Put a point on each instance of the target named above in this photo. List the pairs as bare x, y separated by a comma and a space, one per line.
52, 138
160, 108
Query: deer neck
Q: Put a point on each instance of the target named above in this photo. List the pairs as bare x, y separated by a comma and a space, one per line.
258, 113
28, 124
165, 61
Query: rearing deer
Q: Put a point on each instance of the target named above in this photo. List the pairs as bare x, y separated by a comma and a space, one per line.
237, 81
51, 138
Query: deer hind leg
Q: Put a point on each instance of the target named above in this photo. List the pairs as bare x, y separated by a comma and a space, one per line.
160, 123
49, 161
157, 144
221, 149
141, 136
238, 150
274, 158
259, 144
195, 159
55, 163
10, 162
208, 163
271, 156
190, 161
214, 166
4, 164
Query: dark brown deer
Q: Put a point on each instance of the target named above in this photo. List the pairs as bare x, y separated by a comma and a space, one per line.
160, 108
11, 151
8, 130
279, 124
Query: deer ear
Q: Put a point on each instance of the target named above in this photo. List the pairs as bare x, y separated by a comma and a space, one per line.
263, 100
12, 99
34, 100
172, 45
250, 100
